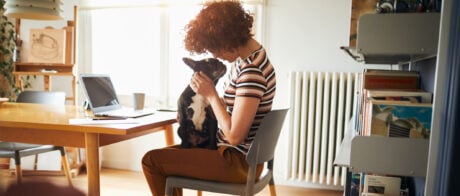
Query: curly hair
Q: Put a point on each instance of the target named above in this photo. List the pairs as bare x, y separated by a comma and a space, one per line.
220, 25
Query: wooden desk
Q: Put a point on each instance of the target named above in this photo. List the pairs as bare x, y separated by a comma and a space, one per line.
45, 124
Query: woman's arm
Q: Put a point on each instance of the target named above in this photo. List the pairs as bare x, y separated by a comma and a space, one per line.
235, 127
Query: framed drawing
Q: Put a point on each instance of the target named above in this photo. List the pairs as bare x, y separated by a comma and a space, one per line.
47, 46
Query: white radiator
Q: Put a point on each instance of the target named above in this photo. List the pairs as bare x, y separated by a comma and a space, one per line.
321, 106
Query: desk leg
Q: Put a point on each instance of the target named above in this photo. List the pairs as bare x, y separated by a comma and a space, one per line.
169, 135
92, 163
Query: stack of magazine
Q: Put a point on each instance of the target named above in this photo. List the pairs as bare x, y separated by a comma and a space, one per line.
391, 103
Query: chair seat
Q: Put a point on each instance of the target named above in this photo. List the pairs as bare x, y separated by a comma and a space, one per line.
8, 149
219, 187
17, 146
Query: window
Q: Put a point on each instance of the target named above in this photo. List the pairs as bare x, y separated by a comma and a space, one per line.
127, 45
141, 47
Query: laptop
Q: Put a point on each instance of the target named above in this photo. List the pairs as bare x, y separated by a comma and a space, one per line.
103, 100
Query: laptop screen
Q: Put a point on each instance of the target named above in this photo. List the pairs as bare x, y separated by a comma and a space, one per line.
100, 92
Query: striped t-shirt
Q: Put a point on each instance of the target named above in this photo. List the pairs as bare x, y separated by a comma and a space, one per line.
250, 77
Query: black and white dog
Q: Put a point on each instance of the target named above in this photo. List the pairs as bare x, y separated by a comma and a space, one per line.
197, 123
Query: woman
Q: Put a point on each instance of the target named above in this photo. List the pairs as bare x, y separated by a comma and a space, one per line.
223, 29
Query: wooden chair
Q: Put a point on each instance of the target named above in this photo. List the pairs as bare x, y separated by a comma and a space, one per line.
261, 151
18, 150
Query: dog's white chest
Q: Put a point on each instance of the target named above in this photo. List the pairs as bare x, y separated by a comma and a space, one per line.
199, 103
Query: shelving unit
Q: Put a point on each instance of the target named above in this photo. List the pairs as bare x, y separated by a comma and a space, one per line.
48, 70
402, 39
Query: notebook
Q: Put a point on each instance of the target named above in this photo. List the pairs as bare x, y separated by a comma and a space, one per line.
102, 99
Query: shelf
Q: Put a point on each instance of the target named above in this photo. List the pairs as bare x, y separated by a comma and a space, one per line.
43, 64
43, 73
385, 59
395, 38
38, 67
383, 155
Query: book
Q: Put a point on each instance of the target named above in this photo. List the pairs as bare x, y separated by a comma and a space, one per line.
399, 119
391, 72
414, 96
359, 104
390, 79
355, 184
381, 185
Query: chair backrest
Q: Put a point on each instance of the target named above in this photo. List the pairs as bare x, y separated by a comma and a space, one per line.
263, 147
43, 97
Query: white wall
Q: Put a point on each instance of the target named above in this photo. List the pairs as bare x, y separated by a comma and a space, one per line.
305, 35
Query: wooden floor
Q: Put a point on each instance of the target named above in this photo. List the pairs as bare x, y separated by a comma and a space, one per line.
120, 182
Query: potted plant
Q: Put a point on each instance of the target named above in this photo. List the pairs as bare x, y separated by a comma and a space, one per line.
8, 86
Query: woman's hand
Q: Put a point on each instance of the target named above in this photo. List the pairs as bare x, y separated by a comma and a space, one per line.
203, 85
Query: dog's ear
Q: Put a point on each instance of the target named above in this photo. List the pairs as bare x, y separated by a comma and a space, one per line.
190, 62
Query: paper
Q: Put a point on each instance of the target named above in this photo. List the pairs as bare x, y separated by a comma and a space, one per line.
89, 121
